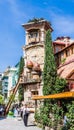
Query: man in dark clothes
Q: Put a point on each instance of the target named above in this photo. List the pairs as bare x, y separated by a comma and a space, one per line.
26, 114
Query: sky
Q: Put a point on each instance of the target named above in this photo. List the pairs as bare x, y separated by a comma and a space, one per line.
14, 13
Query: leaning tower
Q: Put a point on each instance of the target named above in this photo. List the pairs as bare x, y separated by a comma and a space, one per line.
33, 51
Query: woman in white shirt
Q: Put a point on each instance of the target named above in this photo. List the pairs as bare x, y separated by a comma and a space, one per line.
26, 112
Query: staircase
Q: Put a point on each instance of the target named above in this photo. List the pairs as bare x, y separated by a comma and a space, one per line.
12, 96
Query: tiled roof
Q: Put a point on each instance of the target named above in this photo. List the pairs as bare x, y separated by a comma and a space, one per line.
59, 42
65, 69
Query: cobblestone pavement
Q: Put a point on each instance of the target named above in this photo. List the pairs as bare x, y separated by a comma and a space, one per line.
11, 123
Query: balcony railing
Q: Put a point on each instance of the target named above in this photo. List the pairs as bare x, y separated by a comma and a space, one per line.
25, 80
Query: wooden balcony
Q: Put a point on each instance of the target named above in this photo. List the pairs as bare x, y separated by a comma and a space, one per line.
25, 80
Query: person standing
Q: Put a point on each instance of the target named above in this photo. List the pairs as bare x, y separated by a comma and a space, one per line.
26, 112
15, 112
21, 110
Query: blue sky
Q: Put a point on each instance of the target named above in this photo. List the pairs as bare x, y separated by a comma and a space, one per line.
13, 13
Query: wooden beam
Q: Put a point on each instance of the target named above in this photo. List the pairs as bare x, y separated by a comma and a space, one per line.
55, 96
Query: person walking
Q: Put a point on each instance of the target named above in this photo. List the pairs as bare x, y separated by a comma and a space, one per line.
15, 112
26, 112
21, 110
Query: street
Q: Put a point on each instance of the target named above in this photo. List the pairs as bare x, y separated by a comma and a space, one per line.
12, 123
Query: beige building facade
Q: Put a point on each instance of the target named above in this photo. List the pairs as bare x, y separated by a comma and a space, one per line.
33, 51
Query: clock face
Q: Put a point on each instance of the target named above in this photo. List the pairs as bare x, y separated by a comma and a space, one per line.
35, 54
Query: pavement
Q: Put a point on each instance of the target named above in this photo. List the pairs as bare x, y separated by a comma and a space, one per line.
16, 123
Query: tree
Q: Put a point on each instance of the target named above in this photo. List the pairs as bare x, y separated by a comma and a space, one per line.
21, 69
21, 66
49, 78
70, 114
1, 99
60, 85
51, 84
50, 71
36, 20
1, 87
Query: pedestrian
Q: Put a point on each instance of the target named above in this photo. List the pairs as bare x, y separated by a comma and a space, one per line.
26, 112
66, 120
21, 110
15, 112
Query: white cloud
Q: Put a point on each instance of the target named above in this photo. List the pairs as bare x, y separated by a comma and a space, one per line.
16, 13
14, 7
63, 24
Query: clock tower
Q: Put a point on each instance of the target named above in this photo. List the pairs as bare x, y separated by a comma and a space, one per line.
34, 56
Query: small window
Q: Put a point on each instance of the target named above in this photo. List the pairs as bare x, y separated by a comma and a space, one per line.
34, 92
72, 50
56, 49
33, 34
67, 53
62, 55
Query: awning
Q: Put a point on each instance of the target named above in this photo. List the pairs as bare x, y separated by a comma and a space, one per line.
55, 96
